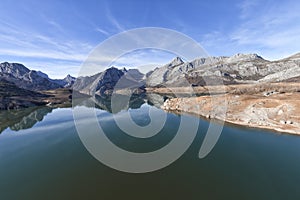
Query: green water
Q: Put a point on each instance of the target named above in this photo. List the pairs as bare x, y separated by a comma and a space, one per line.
42, 157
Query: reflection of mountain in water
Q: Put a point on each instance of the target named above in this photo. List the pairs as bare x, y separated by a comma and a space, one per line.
123, 102
27, 118
22, 119
120, 102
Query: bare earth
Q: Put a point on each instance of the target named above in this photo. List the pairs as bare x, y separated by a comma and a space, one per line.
267, 109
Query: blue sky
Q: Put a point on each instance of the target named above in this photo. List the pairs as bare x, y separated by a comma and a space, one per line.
56, 36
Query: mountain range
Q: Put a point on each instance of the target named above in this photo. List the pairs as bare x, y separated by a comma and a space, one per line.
237, 69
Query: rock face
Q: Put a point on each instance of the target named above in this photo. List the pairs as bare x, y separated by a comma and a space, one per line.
237, 69
105, 82
166, 73
31, 80
100, 82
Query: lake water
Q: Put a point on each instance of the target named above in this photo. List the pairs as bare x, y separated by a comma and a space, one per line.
42, 157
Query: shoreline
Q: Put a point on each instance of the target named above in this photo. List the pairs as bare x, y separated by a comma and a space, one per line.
278, 112
235, 125
49, 98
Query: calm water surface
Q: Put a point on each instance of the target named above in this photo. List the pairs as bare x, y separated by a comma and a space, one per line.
42, 157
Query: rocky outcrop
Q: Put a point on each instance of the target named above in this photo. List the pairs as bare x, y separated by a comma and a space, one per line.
278, 112
237, 69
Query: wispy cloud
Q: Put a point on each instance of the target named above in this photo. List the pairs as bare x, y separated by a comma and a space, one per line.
100, 30
33, 44
268, 29
274, 31
113, 20
57, 52
247, 7
57, 26
48, 54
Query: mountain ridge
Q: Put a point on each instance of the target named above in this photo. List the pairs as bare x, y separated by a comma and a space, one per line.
236, 69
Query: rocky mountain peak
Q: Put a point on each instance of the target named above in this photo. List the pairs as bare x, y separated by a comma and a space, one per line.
69, 77
176, 61
124, 70
112, 71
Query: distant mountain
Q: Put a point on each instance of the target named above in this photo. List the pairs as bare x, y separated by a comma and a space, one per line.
105, 82
237, 69
32, 80
67, 82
